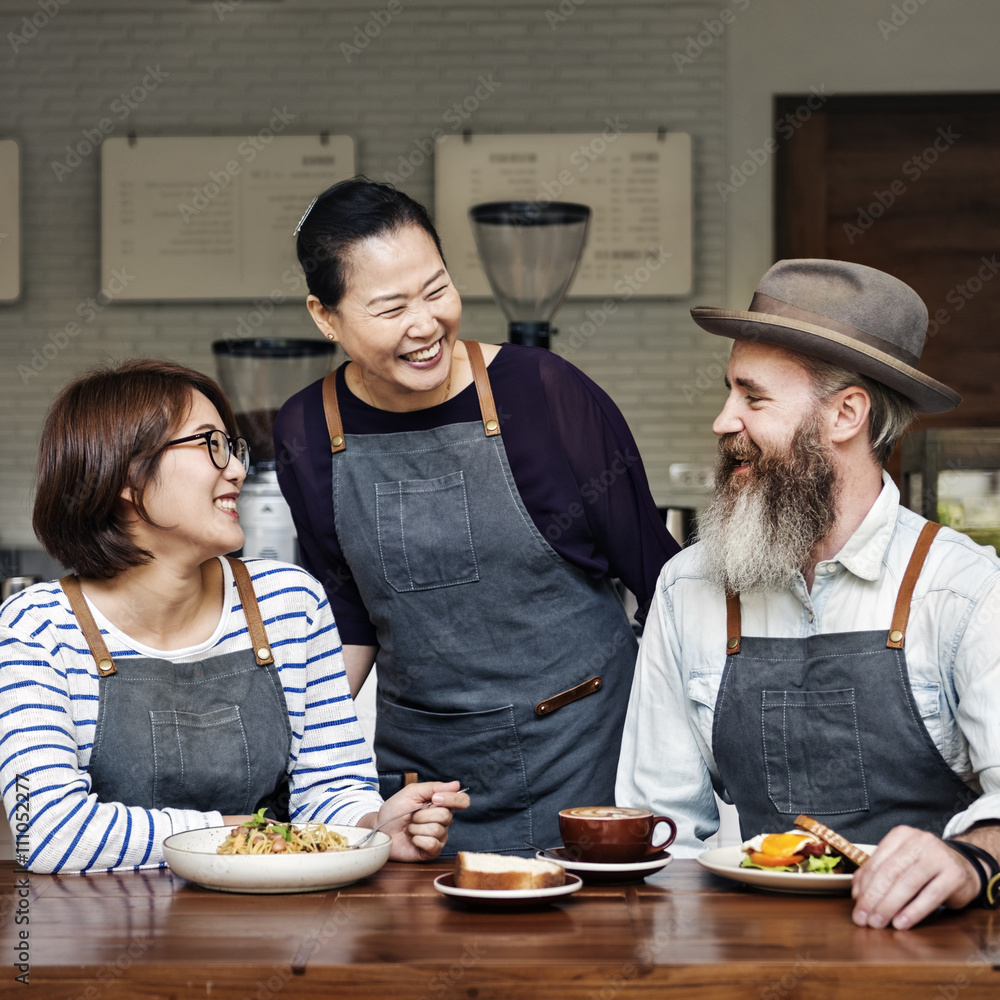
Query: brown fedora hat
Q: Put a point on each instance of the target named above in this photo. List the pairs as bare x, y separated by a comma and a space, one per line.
862, 319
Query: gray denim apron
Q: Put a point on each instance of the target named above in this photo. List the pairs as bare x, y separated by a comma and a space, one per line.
499, 664
210, 735
827, 726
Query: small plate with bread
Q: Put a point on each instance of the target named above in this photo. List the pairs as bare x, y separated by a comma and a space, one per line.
497, 880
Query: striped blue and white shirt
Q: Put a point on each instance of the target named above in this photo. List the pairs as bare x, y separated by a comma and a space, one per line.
48, 715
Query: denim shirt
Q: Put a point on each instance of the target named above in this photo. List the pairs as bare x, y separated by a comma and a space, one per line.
952, 657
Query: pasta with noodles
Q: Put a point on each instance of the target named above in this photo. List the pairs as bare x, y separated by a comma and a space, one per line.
262, 836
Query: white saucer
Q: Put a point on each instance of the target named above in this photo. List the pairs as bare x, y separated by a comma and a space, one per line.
513, 898
593, 872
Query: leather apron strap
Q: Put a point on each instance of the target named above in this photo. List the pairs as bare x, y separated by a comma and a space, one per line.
734, 627
900, 615
334, 424
95, 641
491, 425
486, 406
99, 650
251, 611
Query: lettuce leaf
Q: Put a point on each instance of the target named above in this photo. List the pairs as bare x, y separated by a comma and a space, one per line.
747, 863
823, 865
819, 866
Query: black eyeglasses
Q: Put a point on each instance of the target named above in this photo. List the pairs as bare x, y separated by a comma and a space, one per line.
220, 447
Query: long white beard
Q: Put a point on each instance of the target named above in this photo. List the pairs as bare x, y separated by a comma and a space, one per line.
760, 528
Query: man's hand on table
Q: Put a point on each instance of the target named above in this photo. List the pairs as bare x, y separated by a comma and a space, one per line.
913, 873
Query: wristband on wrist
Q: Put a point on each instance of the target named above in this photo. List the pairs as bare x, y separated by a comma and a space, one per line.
989, 884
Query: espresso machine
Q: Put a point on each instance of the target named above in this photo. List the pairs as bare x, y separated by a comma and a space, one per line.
530, 253
258, 376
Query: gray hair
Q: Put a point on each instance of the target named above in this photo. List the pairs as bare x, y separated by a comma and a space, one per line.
891, 412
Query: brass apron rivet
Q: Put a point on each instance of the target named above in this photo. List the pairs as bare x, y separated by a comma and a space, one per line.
895, 635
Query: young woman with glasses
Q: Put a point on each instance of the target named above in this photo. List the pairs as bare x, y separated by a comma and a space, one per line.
164, 686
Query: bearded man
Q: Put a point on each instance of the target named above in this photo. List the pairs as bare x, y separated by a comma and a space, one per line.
820, 649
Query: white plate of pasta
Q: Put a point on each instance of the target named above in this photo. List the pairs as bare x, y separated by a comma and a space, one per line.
310, 857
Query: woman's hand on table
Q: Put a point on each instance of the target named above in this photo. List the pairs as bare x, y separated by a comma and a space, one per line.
910, 875
424, 811
235, 820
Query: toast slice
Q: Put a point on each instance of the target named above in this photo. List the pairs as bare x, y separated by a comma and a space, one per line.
497, 871
835, 840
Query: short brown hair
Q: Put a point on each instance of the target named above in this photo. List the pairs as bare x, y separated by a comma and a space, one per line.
105, 434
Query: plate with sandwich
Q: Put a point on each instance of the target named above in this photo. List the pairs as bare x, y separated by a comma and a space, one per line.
811, 858
496, 880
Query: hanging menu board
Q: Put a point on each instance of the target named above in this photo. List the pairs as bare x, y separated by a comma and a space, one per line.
209, 218
10, 222
638, 188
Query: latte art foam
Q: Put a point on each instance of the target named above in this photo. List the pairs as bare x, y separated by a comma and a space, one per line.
605, 812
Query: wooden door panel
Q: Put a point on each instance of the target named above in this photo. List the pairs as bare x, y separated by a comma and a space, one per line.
863, 181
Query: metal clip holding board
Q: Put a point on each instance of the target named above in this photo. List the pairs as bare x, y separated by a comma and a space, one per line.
10, 221
210, 217
638, 187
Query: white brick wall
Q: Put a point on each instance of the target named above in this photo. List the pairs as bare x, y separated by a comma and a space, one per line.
225, 75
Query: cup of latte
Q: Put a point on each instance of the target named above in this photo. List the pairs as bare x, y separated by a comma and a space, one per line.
612, 835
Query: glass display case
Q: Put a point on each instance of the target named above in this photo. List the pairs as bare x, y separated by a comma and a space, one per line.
953, 476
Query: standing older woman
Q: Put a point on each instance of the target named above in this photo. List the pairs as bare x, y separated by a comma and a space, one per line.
166, 687
465, 506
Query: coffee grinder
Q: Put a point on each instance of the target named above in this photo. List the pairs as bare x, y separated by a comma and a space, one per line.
530, 253
258, 376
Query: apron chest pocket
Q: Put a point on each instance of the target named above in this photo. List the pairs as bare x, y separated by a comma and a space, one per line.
424, 536
201, 761
812, 751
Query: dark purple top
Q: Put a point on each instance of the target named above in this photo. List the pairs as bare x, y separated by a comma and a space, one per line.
572, 455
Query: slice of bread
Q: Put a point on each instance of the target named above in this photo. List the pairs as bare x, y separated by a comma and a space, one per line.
496, 871
840, 844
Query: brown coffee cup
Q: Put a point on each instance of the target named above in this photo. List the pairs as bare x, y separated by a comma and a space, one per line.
611, 835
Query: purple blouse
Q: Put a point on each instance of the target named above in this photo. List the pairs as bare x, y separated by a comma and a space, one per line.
572, 455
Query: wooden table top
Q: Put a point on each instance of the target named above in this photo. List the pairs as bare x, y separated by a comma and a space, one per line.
683, 932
